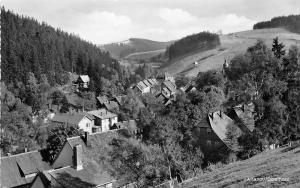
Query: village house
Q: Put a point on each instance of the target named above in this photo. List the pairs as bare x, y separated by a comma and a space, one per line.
78, 165
165, 77
104, 119
189, 87
145, 86
20, 170
84, 122
212, 132
168, 88
83, 82
103, 102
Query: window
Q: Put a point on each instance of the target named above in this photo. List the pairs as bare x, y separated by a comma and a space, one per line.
87, 124
208, 142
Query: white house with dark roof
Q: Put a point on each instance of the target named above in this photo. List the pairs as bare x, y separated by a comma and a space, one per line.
104, 119
145, 86
168, 88
83, 81
84, 122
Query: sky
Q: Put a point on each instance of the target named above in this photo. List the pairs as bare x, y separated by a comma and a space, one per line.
106, 21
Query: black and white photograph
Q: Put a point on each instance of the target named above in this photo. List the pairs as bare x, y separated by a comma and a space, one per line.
150, 94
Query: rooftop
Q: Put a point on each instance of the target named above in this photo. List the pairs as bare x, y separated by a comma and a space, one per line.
84, 78
93, 172
102, 114
14, 168
221, 124
72, 119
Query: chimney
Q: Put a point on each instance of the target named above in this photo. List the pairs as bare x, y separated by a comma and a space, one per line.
220, 114
86, 139
243, 107
77, 157
25, 150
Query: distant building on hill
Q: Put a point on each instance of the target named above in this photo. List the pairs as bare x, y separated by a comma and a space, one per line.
83, 82
145, 86
168, 88
165, 77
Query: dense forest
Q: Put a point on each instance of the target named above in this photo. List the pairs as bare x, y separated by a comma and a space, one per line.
291, 23
201, 41
30, 46
37, 60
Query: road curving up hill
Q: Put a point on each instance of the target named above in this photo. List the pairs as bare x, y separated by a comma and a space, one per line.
231, 45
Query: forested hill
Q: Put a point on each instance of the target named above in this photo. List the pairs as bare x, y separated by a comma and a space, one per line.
291, 23
134, 45
30, 46
196, 42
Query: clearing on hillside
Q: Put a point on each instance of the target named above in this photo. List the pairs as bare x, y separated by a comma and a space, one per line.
262, 170
231, 45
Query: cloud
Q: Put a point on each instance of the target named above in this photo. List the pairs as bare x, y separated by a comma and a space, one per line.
176, 16
103, 27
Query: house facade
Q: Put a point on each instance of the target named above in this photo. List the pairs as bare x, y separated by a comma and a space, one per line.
104, 119
145, 86
82, 122
83, 82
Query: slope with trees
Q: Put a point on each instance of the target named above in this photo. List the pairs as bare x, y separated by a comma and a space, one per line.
291, 22
201, 41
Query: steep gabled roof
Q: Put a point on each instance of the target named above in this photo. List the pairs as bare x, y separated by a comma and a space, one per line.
221, 124
14, 168
119, 99
141, 85
147, 83
111, 105
93, 172
102, 114
170, 86
72, 119
102, 99
84, 78
245, 114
